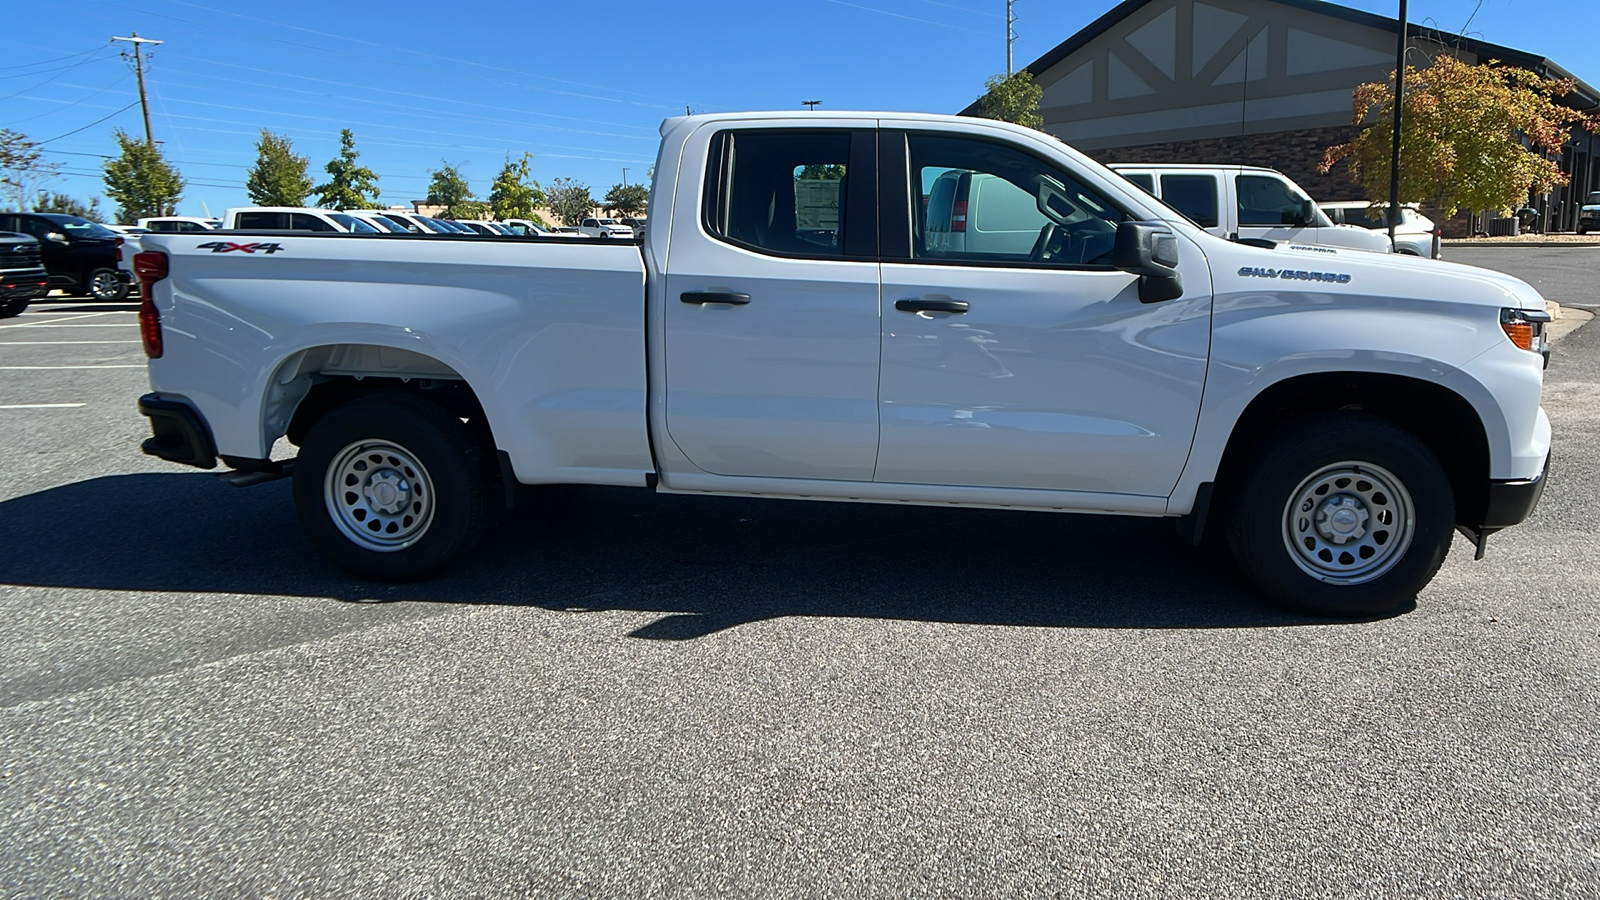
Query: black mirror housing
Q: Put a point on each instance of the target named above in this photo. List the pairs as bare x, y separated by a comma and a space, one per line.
1149, 250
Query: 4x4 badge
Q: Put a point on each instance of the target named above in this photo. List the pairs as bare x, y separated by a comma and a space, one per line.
229, 247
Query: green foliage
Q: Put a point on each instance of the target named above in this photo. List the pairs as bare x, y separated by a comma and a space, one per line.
349, 186
22, 168
628, 199
821, 172
141, 181
514, 194
449, 189
1472, 137
48, 202
279, 177
1014, 99
569, 201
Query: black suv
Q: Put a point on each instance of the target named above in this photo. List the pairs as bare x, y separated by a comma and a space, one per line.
21, 276
81, 256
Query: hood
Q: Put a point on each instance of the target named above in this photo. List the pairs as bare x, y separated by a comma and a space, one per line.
1379, 274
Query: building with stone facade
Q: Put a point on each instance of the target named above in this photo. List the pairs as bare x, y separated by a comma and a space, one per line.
1256, 82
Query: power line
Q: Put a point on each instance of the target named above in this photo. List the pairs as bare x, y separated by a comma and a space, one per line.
73, 103
88, 126
47, 62
47, 80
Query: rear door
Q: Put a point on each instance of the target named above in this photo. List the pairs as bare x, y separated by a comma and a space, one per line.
771, 322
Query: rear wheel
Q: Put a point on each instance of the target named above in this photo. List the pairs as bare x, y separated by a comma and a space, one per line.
104, 284
392, 488
1346, 515
10, 308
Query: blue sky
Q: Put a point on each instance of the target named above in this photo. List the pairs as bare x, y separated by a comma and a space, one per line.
581, 85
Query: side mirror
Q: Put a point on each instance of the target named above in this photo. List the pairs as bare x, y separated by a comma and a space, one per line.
1306, 214
1149, 250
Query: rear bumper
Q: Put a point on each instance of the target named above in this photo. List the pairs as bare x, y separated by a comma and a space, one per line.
179, 434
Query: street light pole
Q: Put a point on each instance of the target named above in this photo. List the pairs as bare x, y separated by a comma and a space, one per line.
138, 66
1011, 35
1399, 97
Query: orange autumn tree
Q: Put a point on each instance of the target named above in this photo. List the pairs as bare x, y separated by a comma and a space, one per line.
1472, 137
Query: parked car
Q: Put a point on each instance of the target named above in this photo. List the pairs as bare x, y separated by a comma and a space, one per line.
530, 228
1247, 203
378, 220
1414, 235
293, 218
1589, 215
407, 220
481, 226
22, 274
180, 224
1340, 414
605, 228
81, 256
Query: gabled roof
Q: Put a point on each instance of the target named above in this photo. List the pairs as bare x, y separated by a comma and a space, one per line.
1584, 97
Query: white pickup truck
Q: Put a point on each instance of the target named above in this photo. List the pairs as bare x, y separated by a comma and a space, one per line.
787, 330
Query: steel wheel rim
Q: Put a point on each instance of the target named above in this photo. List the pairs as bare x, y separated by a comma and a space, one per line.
104, 284
1349, 523
379, 495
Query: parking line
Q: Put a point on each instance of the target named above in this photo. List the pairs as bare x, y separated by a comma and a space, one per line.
52, 343
67, 319
41, 406
84, 325
36, 368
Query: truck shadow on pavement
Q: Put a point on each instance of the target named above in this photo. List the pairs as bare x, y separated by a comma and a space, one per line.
706, 564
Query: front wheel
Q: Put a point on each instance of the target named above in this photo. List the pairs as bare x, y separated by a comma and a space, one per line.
12, 308
104, 284
392, 488
1345, 515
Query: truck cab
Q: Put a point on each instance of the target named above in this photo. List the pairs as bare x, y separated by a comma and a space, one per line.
1248, 202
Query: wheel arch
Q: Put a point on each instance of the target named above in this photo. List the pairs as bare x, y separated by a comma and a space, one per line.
1446, 422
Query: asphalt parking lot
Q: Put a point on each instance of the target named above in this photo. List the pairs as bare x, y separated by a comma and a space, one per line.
622, 694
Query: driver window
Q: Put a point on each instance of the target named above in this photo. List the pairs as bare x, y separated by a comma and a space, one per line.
982, 203
1268, 201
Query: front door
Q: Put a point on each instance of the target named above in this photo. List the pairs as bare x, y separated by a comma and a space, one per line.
1032, 367
1271, 208
771, 308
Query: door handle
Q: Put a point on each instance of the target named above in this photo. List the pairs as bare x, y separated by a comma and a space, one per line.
931, 304
704, 297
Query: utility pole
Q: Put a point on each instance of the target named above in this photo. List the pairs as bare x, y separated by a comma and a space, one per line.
624, 176
138, 66
1399, 97
1011, 35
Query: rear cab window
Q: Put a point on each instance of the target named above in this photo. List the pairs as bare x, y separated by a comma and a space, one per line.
1193, 195
787, 193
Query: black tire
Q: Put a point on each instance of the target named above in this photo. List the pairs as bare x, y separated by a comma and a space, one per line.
12, 308
1372, 526
402, 451
104, 284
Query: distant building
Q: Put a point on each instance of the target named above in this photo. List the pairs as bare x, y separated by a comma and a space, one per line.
1259, 82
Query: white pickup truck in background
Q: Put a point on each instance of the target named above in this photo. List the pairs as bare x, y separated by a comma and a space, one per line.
1337, 415
1248, 203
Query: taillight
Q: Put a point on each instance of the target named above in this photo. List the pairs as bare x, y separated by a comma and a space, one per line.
150, 266
958, 216
118, 245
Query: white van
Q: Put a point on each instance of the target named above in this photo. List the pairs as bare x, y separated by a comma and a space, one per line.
1248, 202
293, 218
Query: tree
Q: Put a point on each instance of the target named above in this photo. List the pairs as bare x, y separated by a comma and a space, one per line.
22, 168
1463, 134
349, 186
569, 201
821, 172
141, 181
1014, 99
450, 190
48, 202
514, 194
279, 177
628, 199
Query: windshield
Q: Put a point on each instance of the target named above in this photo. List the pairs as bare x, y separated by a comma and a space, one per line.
608, 221
352, 223
383, 224
79, 227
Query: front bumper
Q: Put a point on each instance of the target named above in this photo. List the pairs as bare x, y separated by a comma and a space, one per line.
15, 286
1511, 502
179, 434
